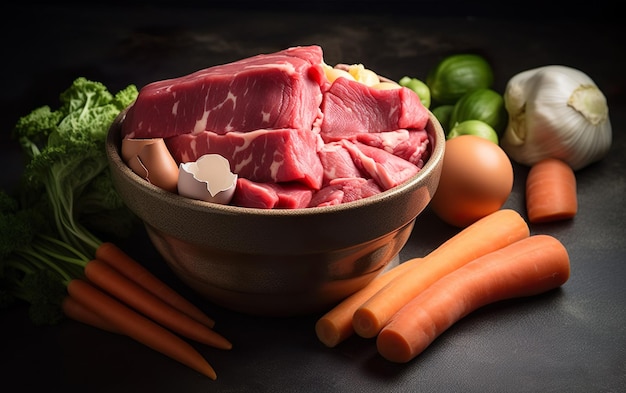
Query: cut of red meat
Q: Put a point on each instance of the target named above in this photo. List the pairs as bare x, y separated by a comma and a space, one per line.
345, 190
337, 162
327, 196
388, 170
410, 145
277, 90
275, 156
255, 195
271, 195
291, 195
350, 108
356, 188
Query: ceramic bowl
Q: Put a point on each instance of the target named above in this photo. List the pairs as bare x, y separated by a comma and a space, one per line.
277, 262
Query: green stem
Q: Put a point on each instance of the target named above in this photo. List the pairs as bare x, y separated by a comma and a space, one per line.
71, 232
30, 252
64, 246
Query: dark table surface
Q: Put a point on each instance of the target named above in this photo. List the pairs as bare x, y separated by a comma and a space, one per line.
568, 340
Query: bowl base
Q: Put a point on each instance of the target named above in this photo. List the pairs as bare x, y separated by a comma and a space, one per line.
298, 291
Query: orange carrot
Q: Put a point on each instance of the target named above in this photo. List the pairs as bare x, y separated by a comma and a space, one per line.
527, 267
551, 191
116, 284
75, 310
490, 233
336, 325
114, 256
138, 327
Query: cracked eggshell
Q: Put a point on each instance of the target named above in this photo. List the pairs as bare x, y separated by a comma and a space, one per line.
209, 179
150, 159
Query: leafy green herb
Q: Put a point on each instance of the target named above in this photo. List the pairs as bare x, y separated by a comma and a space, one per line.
66, 193
67, 160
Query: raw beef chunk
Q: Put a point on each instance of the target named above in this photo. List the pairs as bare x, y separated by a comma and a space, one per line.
351, 108
280, 155
278, 90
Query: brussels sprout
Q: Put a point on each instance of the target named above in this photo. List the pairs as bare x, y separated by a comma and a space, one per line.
481, 104
455, 75
473, 127
442, 113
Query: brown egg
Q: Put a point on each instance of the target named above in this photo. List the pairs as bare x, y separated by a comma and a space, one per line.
476, 180
150, 159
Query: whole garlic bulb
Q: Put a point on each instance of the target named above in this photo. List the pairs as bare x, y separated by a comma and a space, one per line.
556, 112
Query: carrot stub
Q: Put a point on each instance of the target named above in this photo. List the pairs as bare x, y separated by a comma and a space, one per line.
138, 327
528, 267
490, 233
336, 325
551, 191
127, 291
133, 270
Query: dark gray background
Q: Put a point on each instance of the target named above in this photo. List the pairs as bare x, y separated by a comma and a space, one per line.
568, 340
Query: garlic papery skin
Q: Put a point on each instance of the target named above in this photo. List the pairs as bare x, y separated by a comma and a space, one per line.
556, 112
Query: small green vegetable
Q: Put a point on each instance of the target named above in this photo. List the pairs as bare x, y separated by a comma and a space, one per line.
481, 104
419, 87
442, 113
474, 127
457, 74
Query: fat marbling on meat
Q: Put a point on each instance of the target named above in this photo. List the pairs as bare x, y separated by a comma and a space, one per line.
277, 90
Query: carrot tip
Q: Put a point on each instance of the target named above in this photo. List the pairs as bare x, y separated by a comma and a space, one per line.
207, 371
216, 340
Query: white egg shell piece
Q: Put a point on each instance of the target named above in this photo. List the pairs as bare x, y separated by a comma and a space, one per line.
208, 179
